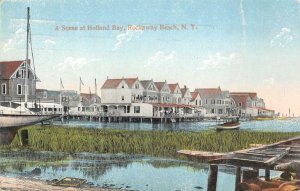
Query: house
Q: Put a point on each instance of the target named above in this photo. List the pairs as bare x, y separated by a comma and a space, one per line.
186, 95
216, 102
84, 103
12, 81
176, 93
150, 93
125, 97
248, 104
165, 94
196, 101
242, 102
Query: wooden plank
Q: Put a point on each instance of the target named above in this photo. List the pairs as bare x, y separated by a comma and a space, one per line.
255, 154
277, 157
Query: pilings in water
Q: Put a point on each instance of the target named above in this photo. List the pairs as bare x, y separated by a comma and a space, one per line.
212, 177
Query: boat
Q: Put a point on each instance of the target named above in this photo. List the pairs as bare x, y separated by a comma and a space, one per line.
228, 123
14, 115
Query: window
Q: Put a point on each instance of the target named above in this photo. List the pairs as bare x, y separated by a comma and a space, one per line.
45, 94
240, 104
128, 109
137, 109
3, 88
137, 86
19, 89
196, 102
212, 110
220, 111
122, 98
122, 85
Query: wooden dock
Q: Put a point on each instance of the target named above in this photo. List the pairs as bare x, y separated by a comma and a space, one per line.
118, 118
263, 157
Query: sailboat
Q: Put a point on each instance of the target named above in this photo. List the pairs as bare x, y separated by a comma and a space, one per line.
14, 115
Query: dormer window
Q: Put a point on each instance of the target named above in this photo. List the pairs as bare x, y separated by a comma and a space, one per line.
137, 86
122, 85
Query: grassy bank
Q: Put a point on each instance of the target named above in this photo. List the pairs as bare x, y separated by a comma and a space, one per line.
154, 143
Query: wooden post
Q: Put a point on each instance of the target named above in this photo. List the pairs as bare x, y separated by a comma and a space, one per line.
237, 176
212, 178
267, 174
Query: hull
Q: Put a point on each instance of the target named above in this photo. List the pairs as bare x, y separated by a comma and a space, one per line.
233, 127
10, 121
10, 124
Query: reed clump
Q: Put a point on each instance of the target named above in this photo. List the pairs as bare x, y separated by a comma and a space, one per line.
153, 143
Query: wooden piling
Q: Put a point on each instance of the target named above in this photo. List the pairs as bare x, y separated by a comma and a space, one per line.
267, 174
212, 177
237, 175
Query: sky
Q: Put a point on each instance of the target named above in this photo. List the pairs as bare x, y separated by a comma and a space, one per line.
239, 45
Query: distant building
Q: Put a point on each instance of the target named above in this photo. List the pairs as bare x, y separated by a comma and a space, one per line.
54, 96
216, 102
12, 81
248, 104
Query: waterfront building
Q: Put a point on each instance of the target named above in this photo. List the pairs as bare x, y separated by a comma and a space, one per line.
12, 81
164, 90
84, 104
145, 98
150, 93
176, 93
248, 104
216, 102
125, 97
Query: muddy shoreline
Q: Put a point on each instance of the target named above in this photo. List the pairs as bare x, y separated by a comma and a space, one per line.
25, 184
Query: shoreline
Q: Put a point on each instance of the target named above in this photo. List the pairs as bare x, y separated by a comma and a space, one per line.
24, 184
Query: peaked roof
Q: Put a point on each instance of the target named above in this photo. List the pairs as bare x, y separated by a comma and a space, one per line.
145, 83
252, 95
194, 95
240, 98
183, 90
209, 92
114, 83
8, 68
159, 85
173, 87
88, 96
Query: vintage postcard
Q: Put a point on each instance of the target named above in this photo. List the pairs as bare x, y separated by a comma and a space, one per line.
157, 95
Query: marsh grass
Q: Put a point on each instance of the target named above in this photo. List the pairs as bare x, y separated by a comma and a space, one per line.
153, 143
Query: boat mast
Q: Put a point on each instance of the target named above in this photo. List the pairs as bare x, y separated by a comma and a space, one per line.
26, 63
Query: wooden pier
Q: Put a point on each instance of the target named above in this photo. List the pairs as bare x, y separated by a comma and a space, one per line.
264, 157
118, 118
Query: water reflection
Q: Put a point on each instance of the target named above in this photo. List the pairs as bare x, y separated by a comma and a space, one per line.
111, 170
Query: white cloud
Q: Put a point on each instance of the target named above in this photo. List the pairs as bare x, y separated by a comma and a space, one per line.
49, 42
269, 82
126, 37
73, 64
14, 42
218, 60
160, 59
244, 23
282, 38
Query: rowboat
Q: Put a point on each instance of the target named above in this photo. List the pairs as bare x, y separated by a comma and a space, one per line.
229, 123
